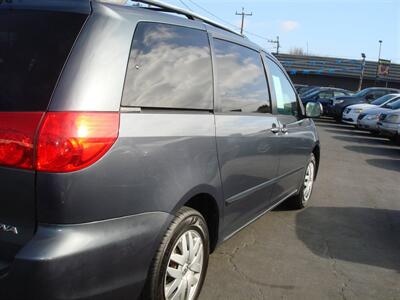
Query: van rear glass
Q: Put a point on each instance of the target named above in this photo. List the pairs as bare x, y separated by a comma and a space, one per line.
34, 46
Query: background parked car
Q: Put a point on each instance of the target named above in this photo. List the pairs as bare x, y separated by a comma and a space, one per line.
368, 119
323, 95
351, 113
364, 96
389, 125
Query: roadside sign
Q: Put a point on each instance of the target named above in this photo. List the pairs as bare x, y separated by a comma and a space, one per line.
383, 68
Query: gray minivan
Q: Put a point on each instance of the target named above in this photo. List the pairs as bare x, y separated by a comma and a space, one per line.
132, 142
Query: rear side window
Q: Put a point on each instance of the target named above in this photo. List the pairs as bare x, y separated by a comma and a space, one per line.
339, 94
169, 67
286, 99
326, 95
242, 84
34, 46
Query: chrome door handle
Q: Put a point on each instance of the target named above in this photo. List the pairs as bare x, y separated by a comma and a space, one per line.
275, 129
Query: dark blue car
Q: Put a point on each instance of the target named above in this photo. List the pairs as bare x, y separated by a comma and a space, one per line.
323, 95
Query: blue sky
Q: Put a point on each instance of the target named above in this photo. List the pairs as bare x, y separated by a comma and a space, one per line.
342, 28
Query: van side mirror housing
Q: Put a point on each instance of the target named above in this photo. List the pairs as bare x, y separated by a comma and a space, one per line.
313, 110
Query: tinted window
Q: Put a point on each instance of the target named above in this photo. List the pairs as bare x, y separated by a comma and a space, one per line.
382, 99
285, 95
339, 94
169, 67
394, 105
310, 92
362, 93
242, 85
33, 49
326, 95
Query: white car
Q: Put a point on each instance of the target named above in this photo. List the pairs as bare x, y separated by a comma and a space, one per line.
352, 112
369, 118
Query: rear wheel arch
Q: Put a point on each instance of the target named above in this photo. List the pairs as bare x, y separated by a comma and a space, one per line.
207, 205
317, 154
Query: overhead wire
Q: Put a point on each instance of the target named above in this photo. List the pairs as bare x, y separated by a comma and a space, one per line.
184, 4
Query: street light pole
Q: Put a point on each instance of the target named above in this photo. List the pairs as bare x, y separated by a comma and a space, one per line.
380, 48
362, 71
379, 58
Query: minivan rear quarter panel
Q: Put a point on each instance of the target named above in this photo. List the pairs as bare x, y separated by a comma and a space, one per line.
93, 80
155, 165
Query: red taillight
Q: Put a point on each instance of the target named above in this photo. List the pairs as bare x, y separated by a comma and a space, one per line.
17, 138
70, 141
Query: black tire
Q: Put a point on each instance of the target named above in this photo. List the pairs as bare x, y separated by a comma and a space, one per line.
186, 219
298, 201
375, 133
397, 140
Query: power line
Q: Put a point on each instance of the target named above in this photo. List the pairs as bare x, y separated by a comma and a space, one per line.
184, 4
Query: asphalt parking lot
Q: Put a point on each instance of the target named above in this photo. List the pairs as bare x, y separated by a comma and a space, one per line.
346, 245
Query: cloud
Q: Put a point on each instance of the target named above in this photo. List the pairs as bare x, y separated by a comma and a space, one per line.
289, 25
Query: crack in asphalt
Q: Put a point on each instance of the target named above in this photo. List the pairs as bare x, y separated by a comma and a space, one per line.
231, 256
335, 270
327, 254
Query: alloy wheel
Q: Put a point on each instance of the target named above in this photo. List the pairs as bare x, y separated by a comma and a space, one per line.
184, 267
308, 181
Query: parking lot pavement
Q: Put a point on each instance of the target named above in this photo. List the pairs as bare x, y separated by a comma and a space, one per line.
346, 245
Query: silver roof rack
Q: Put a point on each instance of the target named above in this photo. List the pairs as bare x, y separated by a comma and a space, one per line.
175, 9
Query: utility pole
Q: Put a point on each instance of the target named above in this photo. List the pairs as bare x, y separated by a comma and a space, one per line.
362, 71
243, 14
278, 45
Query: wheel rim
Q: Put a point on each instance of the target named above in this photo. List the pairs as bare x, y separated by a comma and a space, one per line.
308, 182
184, 267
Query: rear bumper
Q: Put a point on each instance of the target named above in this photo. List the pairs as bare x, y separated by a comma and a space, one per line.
101, 260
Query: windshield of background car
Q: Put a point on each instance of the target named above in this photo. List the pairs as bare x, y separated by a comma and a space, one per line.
362, 93
382, 99
394, 105
309, 92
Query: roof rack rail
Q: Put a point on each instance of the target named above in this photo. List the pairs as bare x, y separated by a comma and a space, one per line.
175, 9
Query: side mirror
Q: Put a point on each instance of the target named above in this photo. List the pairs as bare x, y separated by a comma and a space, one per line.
313, 110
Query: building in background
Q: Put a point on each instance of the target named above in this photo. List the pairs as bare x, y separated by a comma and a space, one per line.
337, 72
